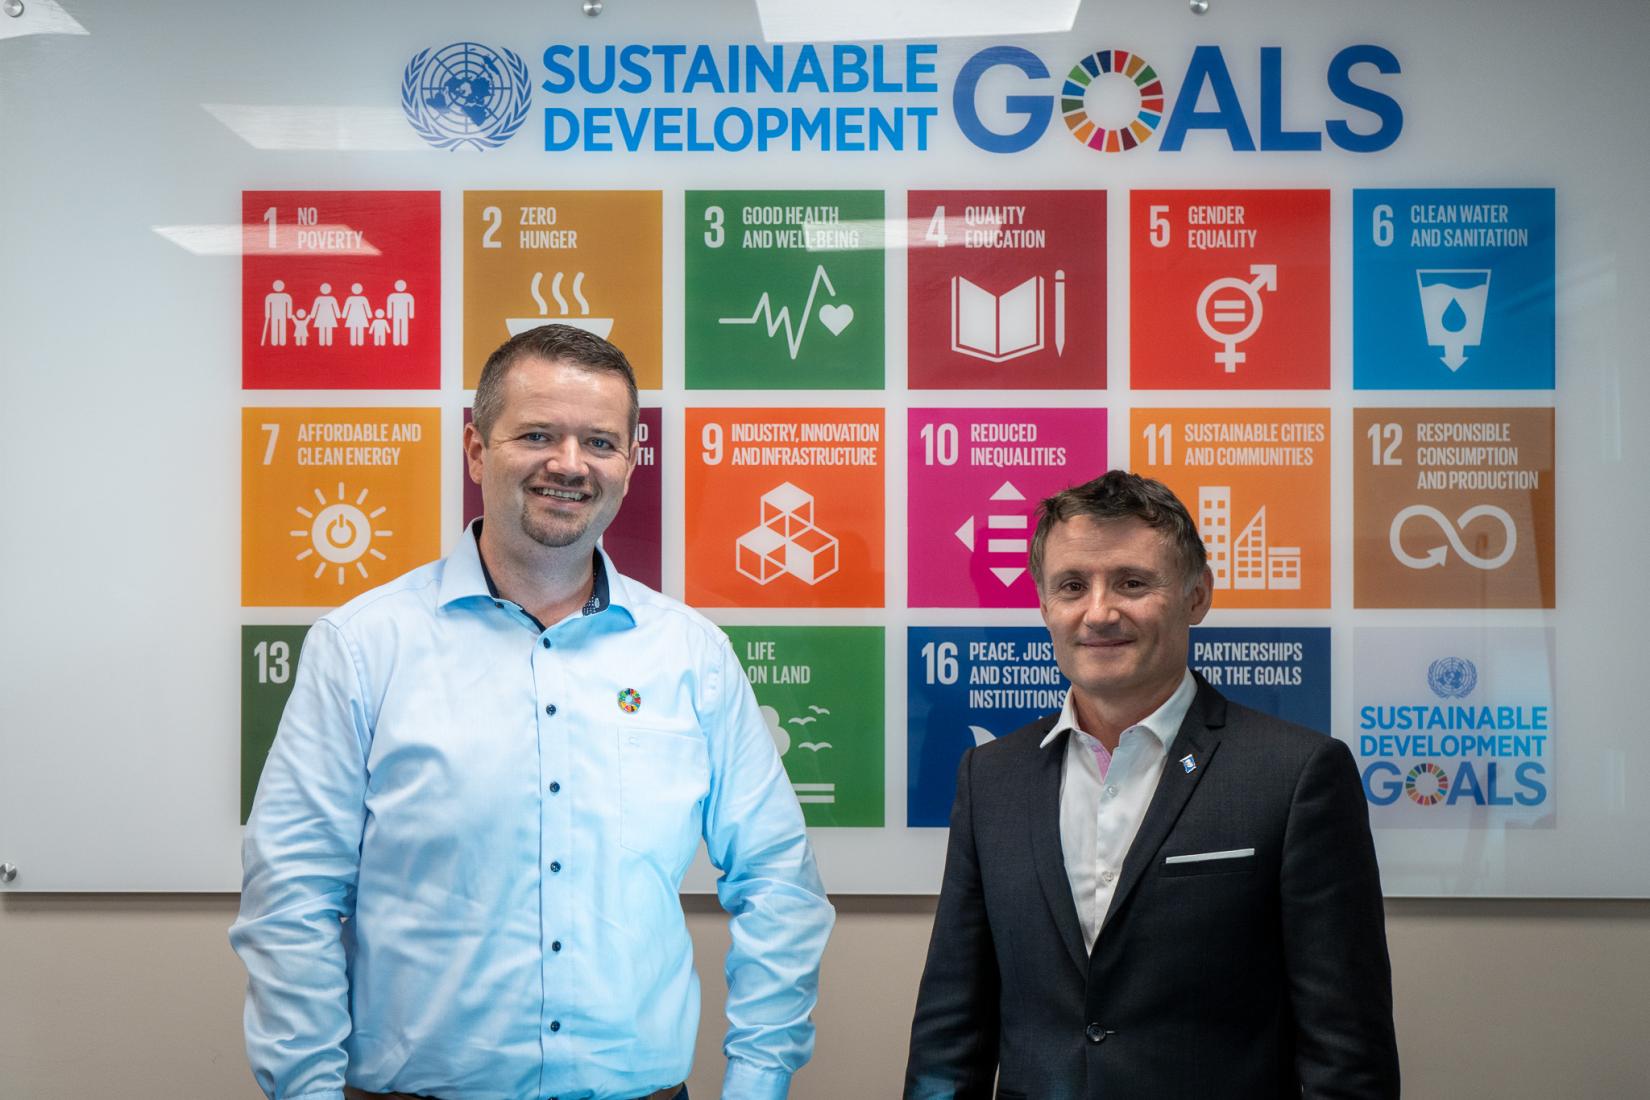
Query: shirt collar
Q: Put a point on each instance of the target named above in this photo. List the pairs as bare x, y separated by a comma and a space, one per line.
1162, 723
466, 576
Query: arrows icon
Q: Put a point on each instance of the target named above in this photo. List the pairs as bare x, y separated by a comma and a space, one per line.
1012, 540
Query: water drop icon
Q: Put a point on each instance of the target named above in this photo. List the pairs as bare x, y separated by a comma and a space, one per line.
1454, 318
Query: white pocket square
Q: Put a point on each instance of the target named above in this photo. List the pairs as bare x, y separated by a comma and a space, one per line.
1204, 857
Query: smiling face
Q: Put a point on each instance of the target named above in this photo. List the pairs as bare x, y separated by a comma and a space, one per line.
558, 460
1114, 596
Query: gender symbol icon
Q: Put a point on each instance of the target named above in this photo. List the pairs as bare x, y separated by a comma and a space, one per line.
1229, 320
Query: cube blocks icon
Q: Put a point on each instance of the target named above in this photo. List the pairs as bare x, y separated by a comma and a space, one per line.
786, 540
759, 554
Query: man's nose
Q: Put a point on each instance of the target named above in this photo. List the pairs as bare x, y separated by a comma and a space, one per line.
1100, 608
566, 457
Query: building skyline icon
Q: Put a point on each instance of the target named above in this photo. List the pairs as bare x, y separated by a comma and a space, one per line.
1248, 562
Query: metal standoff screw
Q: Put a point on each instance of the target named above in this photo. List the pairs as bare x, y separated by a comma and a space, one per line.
1199, 7
592, 7
13, 8
8, 873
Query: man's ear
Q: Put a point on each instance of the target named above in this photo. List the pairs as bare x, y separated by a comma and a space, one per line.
1202, 596
474, 445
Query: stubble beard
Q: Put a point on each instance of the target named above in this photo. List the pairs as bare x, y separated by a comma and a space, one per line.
552, 531
551, 535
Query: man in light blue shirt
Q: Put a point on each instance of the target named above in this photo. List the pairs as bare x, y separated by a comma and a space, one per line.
461, 869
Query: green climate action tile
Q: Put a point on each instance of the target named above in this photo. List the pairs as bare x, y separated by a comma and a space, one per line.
269, 665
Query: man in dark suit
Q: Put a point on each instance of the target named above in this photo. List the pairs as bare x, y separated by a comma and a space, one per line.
1154, 893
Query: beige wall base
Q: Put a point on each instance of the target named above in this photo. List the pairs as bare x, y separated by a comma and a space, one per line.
139, 996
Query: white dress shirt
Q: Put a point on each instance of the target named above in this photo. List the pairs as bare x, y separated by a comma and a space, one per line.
1099, 815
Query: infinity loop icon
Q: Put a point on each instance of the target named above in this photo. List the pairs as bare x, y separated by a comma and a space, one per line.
1439, 555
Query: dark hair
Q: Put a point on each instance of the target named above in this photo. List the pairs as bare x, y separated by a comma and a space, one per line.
553, 344
1118, 494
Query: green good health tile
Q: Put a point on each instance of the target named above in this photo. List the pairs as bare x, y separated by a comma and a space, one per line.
269, 665
784, 290
821, 692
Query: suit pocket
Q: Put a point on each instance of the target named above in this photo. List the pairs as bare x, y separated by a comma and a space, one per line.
1230, 865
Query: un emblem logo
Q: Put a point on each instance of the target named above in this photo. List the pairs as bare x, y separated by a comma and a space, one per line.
466, 94
1452, 677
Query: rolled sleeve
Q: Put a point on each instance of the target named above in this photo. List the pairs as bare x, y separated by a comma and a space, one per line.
300, 858
780, 917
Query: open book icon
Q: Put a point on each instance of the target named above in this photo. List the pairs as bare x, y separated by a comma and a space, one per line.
1000, 327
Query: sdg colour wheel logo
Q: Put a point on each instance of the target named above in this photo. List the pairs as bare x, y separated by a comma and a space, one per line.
1120, 63
466, 94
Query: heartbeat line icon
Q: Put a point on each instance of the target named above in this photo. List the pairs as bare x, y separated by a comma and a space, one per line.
835, 318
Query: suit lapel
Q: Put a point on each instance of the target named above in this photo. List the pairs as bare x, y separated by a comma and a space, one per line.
1199, 736
1046, 852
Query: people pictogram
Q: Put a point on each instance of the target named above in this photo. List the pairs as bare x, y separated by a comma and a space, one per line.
389, 324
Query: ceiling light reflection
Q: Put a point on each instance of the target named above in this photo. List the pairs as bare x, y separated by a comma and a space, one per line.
317, 128
41, 17
226, 240
871, 20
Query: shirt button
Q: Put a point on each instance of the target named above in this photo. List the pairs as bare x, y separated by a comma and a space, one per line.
555, 788
546, 642
1109, 877
555, 867
1095, 1033
555, 1025
555, 945
1111, 792
499, 604
550, 709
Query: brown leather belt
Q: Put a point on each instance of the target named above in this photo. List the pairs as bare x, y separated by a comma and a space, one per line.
353, 1093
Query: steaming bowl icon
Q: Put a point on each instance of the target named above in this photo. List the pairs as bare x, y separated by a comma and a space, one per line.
597, 326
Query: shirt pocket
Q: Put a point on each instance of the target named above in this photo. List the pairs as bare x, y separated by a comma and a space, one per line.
663, 780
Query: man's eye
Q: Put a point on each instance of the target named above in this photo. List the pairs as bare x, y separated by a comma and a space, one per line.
602, 444
535, 437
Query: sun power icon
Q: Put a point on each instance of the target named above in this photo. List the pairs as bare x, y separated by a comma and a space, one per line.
340, 533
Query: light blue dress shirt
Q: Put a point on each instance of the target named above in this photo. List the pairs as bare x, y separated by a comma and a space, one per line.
504, 813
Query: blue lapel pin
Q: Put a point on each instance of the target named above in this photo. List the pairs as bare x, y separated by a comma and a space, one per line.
1189, 763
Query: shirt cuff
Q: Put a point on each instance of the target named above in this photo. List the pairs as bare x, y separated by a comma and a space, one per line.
747, 1082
